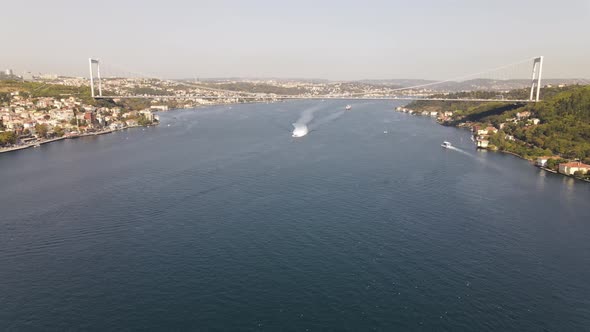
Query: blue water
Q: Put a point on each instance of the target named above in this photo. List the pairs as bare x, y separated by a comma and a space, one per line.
219, 220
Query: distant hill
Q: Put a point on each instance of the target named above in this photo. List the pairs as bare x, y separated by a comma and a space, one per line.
477, 84
250, 79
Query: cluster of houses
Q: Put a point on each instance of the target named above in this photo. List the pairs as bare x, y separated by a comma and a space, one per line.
441, 116
481, 136
70, 116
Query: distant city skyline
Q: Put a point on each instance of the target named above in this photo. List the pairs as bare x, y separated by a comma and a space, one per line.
335, 40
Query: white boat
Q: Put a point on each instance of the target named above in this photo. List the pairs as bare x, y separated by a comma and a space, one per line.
446, 145
348, 107
300, 130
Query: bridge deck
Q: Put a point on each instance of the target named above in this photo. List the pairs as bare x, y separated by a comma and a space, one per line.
318, 98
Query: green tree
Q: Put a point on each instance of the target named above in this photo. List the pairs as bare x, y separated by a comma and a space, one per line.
7, 137
143, 121
59, 131
41, 130
579, 174
4, 97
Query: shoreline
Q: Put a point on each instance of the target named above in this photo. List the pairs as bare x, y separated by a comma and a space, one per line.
51, 140
109, 131
531, 161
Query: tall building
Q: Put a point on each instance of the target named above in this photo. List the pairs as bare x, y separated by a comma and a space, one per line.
28, 76
8, 72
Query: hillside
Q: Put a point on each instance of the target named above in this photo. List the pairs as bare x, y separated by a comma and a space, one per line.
475, 84
563, 121
38, 89
58, 91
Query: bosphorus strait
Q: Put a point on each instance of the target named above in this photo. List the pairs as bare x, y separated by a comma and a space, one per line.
219, 219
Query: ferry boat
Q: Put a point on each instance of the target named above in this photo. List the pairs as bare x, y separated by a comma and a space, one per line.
348, 107
446, 145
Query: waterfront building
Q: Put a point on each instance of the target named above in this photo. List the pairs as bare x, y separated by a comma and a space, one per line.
148, 114
159, 107
572, 167
482, 143
542, 161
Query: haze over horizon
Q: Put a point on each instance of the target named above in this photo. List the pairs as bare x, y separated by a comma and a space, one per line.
336, 40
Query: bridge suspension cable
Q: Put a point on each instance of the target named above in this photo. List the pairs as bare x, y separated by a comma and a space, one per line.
474, 75
507, 76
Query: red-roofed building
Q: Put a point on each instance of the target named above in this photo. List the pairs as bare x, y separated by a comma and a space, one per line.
572, 167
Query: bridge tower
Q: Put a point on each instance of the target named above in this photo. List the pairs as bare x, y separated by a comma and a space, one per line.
536, 79
91, 62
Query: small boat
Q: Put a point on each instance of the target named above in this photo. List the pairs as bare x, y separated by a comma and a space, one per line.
446, 145
348, 107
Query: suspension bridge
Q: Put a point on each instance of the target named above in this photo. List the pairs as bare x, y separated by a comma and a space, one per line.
502, 73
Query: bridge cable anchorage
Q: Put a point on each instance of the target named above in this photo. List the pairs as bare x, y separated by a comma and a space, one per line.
505, 75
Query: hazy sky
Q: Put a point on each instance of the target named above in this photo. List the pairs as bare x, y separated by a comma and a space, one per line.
314, 39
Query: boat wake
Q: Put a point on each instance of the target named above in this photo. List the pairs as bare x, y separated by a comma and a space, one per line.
326, 119
477, 158
304, 124
305, 118
460, 151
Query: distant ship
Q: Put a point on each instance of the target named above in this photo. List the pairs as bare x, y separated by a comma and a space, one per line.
348, 107
446, 145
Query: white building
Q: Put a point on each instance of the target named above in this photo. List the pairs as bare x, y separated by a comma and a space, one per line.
572, 167
148, 114
542, 161
159, 107
483, 143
